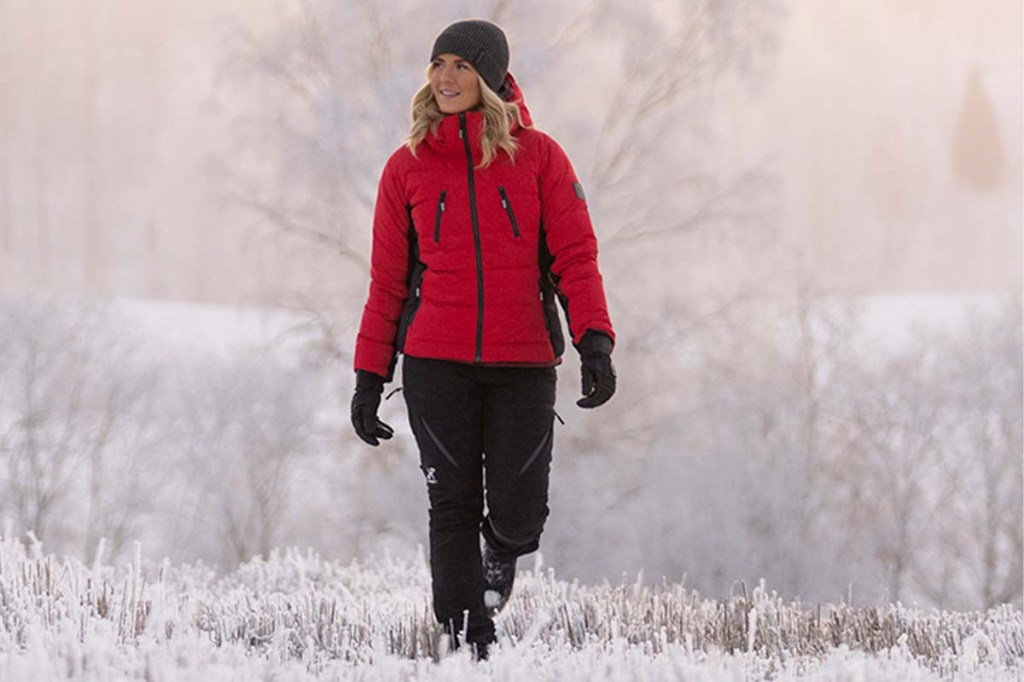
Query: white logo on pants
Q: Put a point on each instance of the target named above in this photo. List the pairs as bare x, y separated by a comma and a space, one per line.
431, 478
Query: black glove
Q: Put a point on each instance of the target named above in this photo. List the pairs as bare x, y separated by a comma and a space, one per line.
365, 402
596, 369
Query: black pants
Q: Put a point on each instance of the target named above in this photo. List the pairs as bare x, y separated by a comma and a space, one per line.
472, 424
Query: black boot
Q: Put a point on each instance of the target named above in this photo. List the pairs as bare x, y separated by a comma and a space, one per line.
479, 640
481, 651
499, 576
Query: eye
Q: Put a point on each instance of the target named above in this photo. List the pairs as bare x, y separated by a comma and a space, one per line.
463, 66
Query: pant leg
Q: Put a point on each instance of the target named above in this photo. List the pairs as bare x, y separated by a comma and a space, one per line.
518, 415
444, 404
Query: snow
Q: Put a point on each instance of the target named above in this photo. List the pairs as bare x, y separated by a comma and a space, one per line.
889, 321
213, 327
296, 616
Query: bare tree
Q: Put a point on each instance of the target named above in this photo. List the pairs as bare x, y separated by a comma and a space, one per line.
928, 462
657, 108
895, 431
243, 426
982, 532
70, 441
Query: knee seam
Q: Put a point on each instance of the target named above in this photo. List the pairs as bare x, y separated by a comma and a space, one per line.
439, 444
536, 451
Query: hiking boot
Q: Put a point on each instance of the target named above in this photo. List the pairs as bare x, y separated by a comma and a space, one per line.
481, 650
478, 641
499, 575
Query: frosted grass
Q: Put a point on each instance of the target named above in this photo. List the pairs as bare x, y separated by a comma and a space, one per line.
296, 616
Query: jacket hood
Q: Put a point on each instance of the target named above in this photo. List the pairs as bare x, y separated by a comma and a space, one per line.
447, 135
515, 95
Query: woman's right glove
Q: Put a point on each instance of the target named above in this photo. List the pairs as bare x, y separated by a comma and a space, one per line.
369, 387
596, 369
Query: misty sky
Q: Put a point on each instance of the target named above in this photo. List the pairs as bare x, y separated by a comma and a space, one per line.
893, 129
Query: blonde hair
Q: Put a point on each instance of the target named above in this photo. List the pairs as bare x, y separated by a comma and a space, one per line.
498, 117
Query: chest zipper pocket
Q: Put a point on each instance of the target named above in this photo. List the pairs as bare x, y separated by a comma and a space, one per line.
437, 217
507, 205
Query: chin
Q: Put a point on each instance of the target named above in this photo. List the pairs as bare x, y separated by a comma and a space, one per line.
449, 109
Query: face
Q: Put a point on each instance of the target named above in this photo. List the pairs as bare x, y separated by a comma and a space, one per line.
454, 83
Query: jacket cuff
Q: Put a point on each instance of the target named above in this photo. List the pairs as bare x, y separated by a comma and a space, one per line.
367, 380
595, 343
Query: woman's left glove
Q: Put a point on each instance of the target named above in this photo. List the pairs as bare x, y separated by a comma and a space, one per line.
369, 387
596, 369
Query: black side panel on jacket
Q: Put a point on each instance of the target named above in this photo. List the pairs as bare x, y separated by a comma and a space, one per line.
414, 279
548, 293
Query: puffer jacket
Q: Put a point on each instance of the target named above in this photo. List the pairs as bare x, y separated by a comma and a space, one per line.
467, 261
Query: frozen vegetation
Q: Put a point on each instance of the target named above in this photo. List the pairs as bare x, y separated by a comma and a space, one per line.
297, 616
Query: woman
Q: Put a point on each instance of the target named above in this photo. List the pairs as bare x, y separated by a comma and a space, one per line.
480, 223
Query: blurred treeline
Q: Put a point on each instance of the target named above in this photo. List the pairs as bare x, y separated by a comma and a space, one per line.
780, 442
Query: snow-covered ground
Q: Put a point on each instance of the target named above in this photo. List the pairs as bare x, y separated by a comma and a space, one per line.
887, 322
296, 616
209, 327
890, 321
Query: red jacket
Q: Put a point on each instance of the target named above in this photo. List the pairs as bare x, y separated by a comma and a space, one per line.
456, 271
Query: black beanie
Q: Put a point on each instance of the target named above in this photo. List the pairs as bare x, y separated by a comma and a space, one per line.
480, 43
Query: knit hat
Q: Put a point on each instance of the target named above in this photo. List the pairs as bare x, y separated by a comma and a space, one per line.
480, 43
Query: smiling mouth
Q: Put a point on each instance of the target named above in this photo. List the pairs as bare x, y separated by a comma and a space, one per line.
450, 93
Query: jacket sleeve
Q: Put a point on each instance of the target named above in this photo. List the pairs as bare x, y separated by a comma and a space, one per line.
571, 240
389, 264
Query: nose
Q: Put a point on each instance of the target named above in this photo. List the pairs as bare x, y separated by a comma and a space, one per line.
448, 73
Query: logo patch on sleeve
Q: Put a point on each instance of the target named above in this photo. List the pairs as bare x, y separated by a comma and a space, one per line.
579, 191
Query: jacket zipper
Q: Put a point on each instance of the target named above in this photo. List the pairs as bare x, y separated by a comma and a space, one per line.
437, 219
464, 134
508, 209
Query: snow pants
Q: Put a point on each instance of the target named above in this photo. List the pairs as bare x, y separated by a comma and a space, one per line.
484, 434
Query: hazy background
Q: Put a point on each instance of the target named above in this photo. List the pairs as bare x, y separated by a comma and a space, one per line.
810, 217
